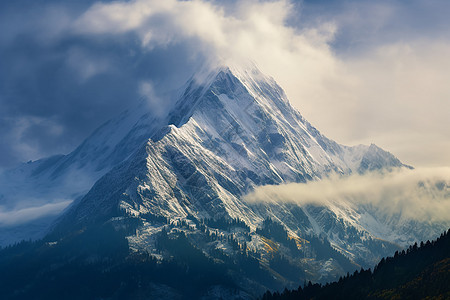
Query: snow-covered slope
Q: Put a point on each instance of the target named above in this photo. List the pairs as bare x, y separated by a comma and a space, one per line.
228, 133
223, 138
65, 178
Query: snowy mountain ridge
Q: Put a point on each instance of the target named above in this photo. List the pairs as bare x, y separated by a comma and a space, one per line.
227, 133
240, 128
222, 140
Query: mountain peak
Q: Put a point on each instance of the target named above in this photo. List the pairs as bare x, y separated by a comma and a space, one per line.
227, 134
231, 129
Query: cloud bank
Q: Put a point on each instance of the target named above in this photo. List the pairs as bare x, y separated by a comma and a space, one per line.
360, 71
420, 194
15, 217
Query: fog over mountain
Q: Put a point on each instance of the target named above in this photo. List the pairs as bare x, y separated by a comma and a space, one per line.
376, 69
229, 181
217, 149
420, 194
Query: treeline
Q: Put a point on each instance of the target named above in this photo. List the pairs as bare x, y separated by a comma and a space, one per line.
419, 272
193, 256
225, 224
96, 263
220, 223
313, 246
277, 232
240, 264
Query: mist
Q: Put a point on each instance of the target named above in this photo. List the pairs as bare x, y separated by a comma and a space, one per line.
17, 216
421, 194
361, 72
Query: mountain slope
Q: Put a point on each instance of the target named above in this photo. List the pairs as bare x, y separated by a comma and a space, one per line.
67, 178
421, 272
179, 180
227, 134
224, 138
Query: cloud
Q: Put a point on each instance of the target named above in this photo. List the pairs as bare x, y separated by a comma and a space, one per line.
389, 86
252, 27
57, 87
405, 100
14, 217
420, 194
360, 71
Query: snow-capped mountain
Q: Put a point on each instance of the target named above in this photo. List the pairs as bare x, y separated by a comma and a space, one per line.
226, 135
189, 170
65, 178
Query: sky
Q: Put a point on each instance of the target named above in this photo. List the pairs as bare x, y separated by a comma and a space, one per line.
360, 71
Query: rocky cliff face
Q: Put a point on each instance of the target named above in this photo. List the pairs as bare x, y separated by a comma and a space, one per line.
189, 170
224, 137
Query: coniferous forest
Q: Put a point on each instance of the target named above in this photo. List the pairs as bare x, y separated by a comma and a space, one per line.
98, 264
420, 272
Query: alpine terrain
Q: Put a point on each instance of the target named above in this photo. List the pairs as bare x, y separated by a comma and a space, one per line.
174, 181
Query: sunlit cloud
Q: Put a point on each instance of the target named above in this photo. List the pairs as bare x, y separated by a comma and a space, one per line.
381, 94
360, 71
395, 95
420, 194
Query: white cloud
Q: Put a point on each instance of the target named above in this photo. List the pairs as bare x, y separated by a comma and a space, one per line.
392, 91
14, 217
420, 194
394, 94
153, 100
255, 30
86, 65
406, 84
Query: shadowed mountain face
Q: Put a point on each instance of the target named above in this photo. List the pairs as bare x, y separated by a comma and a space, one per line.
180, 179
226, 135
422, 272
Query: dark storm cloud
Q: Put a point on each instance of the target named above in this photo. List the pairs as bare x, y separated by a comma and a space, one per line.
66, 68
57, 86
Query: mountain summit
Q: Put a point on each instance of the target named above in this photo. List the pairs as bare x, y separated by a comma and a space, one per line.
179, 180
224, 136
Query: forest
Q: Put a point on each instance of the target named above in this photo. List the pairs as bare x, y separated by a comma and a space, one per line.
419, 272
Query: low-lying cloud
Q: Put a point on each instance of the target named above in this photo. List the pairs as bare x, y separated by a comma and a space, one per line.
420, 194
14, 217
